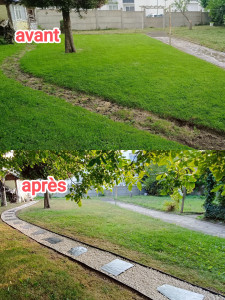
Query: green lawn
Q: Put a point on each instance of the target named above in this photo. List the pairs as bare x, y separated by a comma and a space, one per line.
190, 255
30, 271
33, 120
192, 203
212, 37
135, 70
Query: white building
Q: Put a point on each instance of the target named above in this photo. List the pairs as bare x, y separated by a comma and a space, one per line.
137, 5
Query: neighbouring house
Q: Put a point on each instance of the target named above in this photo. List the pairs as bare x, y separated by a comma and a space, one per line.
21, 16
137, 5
13, 189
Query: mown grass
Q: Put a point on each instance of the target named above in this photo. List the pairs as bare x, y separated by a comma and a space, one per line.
33, 120
193, 204
190, 255
30, 271
135, 70
212, 37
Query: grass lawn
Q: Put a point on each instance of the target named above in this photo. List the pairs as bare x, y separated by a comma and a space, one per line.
30, 271
135, 70
190, 255
212, 37
33, 120
192, 203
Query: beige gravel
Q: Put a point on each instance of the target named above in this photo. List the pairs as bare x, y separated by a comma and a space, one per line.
140, 278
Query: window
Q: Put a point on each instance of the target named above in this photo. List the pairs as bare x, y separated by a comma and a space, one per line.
129, 8
19, 12
128, 1
113, 6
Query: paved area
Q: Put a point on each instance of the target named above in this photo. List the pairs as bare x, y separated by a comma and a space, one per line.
142, 279
215, 57
183, 221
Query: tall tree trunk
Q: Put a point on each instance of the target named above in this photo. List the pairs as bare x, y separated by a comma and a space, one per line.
69, 43
183, 199
10, 33
3, 194
190, 25
46, 200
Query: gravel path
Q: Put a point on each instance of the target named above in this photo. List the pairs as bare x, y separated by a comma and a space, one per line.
143, 279
215, 57
183, 221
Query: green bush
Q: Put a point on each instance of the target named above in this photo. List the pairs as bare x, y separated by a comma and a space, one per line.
217, 11
215, 212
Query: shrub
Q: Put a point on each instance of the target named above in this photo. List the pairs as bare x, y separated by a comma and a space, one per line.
217, 11
170, 205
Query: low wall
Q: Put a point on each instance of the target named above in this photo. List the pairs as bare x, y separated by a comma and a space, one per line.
100, 19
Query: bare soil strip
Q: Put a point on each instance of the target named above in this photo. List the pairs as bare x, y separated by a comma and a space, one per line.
175, 130
142, 279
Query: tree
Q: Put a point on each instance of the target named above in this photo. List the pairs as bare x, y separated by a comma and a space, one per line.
66, 6
181, 6
95, 168
9, 34
184, 168
217, 11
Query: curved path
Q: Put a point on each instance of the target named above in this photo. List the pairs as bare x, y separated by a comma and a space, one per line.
138, 277
183, 221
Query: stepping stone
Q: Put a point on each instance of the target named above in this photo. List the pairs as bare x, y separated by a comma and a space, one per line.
11, 219
53, 240
77, 251
174, 293
18, 222
41, 231
117, 267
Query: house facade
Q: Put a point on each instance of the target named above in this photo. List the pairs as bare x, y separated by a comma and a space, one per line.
137, 5
22, 17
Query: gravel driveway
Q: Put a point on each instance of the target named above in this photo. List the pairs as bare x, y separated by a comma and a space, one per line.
215, 57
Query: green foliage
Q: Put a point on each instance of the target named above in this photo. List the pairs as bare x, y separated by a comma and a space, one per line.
215, 212
204, 3
210, 183
151, 76
151, 185
217, 11
170, 205
67, 5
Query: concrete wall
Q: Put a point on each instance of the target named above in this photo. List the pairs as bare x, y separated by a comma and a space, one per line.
121, 191
99, 19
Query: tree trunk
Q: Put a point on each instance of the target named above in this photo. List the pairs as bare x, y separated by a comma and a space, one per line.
190, 25
69, 43
46, 200
183, 199
3, 194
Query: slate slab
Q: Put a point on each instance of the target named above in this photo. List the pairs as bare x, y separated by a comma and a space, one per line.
40, 231
77, 251
53, 240
18, 222
11, 219
116, 267
174, 293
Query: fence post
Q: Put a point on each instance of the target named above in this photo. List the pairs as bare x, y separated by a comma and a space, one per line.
122, 25
96, 18
143, 19
164, 19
